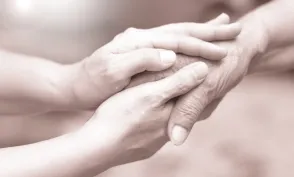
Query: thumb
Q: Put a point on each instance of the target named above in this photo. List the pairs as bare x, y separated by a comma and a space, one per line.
186, 113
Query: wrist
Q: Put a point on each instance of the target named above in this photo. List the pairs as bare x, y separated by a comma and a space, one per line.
254, 36
82, 88
63, 82
76, 88
103, 144
254, 39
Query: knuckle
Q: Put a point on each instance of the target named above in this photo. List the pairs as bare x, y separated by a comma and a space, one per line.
211, 85
148, 54
183, 83
182, 87
148, 98
153, 99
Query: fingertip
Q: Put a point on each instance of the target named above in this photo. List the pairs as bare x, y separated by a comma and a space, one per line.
221, 53
200, 70
167, 57
225, 18
221, 19
179, 135
237, 27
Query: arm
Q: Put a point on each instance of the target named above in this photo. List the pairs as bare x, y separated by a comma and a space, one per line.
277, 17
76, 155
281, 59
273, 25
30, 84
110, 138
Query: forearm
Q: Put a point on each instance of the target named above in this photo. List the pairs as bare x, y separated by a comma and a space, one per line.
277, 60
278, 18
30, 84
267, 36
71, 155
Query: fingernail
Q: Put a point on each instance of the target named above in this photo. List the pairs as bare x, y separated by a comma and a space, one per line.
167, 57
200, 70
179, 135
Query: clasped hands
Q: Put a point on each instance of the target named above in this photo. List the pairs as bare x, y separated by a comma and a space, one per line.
153, 85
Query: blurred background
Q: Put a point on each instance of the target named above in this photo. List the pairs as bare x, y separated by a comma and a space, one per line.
68, 30
250, 133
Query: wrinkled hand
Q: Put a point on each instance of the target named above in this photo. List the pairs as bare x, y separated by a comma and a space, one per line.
199, 103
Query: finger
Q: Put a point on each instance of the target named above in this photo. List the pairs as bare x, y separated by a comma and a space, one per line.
134, 62
221, 19
187, 45
216, 29
186, 112
209, 32
180, 83
206, 32
222, 32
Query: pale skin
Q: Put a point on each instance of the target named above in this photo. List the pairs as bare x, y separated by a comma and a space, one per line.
77, 152
273, 28
85, 85
263, 61
110, 138
268, 58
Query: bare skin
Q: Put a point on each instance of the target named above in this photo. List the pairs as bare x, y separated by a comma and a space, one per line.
86, 84
110, 138
266, 64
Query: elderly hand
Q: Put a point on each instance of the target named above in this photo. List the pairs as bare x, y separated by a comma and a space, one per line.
223, 76
110, 68
201, 101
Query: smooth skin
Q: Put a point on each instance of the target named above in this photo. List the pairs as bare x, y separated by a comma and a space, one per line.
134, 131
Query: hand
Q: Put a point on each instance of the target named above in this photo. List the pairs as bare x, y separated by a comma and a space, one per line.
134, 120
201, 101
110, 68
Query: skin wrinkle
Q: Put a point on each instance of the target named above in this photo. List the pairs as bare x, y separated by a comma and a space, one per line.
158, 74
182, 60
